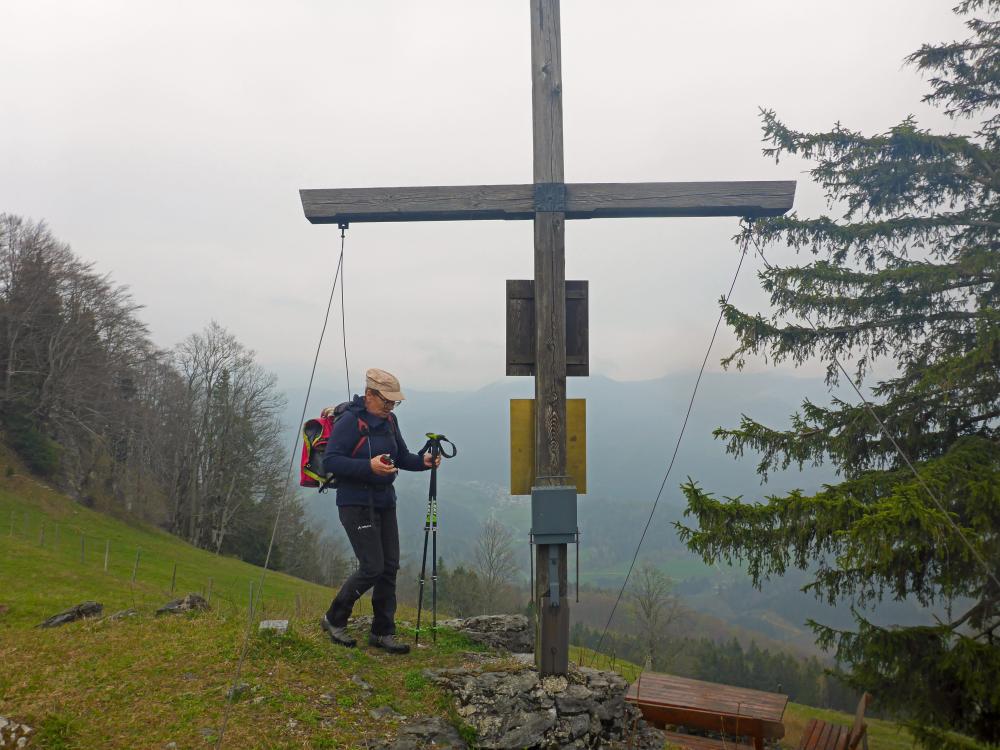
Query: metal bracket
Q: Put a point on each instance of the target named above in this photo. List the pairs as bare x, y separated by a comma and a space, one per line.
550, 196
553, 575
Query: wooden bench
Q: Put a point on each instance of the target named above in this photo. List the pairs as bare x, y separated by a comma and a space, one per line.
694, 742
821, 735
728, 711
731, 728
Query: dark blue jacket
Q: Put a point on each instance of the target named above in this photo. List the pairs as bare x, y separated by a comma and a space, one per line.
355, 477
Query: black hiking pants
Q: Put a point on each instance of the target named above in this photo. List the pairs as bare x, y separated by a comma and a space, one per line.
375, 539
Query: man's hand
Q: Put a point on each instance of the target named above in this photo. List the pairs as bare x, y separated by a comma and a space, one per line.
427, 460
382, 469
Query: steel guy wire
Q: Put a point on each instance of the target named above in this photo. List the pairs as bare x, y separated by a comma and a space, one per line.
343, 317
673, 457
281, 504
885, 431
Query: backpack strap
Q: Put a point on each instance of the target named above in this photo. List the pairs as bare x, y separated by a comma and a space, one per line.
363, 431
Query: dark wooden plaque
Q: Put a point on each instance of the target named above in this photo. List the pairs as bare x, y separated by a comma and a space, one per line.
521, 328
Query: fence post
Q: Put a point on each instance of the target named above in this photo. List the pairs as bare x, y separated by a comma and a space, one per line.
135, 568
83, 548
107, 553
173, 579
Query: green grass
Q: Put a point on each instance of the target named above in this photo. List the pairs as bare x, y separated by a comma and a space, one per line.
144, 681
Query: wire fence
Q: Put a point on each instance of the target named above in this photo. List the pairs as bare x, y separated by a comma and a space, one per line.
144, 576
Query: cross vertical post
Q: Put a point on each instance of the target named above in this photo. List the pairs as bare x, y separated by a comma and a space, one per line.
552, 642
548, 201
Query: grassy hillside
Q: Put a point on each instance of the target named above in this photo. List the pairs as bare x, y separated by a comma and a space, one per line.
145, 681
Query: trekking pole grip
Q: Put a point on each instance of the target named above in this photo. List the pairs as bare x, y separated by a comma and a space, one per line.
434, 444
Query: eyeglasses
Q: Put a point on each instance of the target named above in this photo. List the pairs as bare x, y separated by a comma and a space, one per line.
387, 402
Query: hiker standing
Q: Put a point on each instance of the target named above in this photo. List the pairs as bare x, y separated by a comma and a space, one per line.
364, 452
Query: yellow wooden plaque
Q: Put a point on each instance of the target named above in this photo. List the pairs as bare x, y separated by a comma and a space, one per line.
522, 444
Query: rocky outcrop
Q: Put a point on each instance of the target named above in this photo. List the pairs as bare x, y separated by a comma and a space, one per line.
515, 709
190, 603
79, 612
511, 633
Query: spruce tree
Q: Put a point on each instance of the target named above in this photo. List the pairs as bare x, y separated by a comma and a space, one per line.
906, 272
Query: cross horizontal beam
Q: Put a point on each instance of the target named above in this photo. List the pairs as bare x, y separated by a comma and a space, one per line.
590, 200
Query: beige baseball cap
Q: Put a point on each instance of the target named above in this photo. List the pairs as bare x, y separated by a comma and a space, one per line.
385, 383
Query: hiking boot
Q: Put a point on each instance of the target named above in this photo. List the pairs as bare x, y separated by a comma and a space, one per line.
337, 635
388, 643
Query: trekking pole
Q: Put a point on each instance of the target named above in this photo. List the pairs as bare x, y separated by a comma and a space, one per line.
434, 568
434, 447
423, 571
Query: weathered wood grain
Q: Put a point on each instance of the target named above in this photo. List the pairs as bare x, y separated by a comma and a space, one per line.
695, 742
621, 199
552, 652
546, 91
521, 328
696, 703
583, 201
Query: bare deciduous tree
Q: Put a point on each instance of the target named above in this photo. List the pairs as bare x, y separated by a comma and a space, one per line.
495, 562
655, 609
188, 439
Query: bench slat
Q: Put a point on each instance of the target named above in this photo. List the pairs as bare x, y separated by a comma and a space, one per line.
694, 742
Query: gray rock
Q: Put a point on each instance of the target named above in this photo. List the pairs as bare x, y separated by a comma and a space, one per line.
80, 611
567, 705
190, 603
385, 712
277, 626
514, 709
576, 727
238, 691
526, 730
426, 733
123, 614
13, 733
360, 683
508, 632
608, 710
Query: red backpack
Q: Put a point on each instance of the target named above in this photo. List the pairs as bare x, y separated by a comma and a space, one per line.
315, 436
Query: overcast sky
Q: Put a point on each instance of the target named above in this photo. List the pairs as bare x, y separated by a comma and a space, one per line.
167, 142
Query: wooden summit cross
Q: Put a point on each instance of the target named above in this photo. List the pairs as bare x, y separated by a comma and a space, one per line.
549, 201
